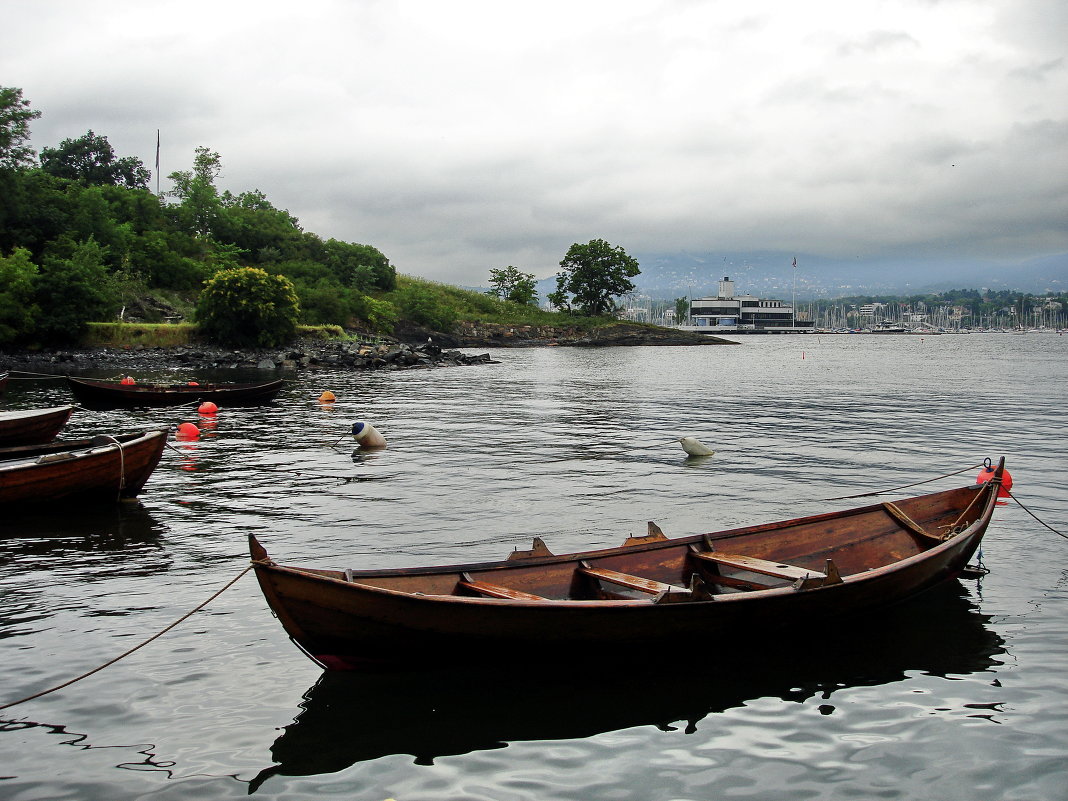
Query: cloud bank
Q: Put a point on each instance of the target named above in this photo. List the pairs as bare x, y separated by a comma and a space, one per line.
470, 135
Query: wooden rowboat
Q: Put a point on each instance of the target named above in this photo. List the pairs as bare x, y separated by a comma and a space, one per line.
651, 595
103, 468
32, 426
112, 394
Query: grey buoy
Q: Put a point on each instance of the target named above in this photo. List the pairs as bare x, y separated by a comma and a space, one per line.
694, 447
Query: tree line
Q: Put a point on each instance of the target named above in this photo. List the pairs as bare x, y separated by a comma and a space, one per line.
82, 237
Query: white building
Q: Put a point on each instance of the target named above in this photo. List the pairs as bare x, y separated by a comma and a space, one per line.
729, 311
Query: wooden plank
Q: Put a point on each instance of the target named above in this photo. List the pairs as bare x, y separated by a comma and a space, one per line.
496, 590
650, 586
755, 565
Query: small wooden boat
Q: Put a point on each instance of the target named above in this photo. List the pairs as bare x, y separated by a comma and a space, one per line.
113, 394
103, 468
652, 595
32, 426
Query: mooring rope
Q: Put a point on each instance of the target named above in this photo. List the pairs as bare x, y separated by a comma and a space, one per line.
28, 376
298, 471
1051, 528
125, 654
905, 486
122, 462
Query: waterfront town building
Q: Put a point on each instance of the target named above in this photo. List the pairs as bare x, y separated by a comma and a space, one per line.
728, 311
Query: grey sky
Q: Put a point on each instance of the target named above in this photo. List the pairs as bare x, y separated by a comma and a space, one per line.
458, 137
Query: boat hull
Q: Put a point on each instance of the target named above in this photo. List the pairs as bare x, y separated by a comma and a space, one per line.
102, 469
343, 622
111, 394
33, 426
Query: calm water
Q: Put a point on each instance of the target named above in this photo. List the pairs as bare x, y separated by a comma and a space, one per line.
959, 695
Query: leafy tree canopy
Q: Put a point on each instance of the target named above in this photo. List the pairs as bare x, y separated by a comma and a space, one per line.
594, 274
91, 159
15, 116
511, 284
18, 310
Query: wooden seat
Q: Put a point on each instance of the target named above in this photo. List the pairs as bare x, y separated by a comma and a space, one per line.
755, 565
489, 590
639, 583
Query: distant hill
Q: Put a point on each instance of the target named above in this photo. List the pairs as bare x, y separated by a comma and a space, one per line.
770, 275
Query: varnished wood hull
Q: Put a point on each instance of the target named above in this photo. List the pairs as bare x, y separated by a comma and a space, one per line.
424, 617
111, 394
102, 469
32, 426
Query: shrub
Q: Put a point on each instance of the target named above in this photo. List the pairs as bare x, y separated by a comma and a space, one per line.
245, 306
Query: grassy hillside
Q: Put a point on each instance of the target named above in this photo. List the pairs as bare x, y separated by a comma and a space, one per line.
430, 304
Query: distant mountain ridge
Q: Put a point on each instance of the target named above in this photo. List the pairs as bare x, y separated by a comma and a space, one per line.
770, 275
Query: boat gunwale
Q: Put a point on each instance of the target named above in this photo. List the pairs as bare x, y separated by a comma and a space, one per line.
978, 526
173, 387
22, 414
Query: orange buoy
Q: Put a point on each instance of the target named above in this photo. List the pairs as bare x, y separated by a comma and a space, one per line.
207, 407
187, 431
128, 380
987, 473
327, 397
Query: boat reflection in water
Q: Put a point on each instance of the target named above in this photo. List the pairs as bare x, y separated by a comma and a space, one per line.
352, 717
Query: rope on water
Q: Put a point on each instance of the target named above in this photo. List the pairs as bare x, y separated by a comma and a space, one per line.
1051, 528
159, 634
904, 486
299, 472
28, 376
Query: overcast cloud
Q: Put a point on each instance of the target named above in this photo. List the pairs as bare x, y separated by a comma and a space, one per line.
463, 136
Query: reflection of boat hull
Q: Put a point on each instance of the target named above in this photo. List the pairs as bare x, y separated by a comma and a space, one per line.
570, 607
104, 468
112, 394
347, 718
32, 426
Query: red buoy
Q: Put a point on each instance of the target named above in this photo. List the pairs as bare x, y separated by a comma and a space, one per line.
987, 473
194, 384
207, 407
187, 431
128, 380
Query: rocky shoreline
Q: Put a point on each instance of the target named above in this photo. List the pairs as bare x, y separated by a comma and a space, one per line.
435, 349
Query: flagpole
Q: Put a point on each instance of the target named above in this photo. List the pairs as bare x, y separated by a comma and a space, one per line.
793, 296
157, 162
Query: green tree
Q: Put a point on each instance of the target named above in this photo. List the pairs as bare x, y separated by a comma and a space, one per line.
15, 116
594, 273
359, 266
682, 311
246, 306
18, 311
91, 160
199, 204
74, 287
511, 284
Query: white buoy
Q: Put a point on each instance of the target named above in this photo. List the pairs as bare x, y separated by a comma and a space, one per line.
694, 447
367, 435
